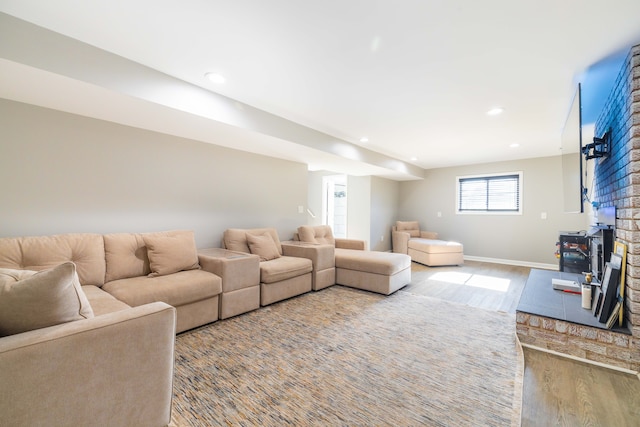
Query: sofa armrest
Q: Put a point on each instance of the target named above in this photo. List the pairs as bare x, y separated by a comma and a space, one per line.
321, 255
400, 242
351, 244
238, 270
429, 235
113, 369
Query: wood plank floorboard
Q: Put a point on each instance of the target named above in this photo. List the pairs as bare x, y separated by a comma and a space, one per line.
478, 284
562, 392
557, 391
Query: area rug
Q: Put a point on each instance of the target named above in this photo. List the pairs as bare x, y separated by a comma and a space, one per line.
344, 357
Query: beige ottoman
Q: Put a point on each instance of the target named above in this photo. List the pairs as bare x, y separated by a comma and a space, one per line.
381, 272
435, 252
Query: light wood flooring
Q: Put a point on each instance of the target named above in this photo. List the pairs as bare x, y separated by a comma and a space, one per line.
557, 391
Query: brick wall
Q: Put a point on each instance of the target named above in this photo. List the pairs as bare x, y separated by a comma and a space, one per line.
585, 342
616, 183
617, 178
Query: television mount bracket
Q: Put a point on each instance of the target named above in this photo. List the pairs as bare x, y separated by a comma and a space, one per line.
599, 147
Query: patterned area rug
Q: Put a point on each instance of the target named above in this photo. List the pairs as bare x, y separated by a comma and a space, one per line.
344, 357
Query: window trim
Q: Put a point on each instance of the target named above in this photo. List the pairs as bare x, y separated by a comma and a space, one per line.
491, 212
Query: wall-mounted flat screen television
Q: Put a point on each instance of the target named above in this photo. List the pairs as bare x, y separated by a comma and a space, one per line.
572, 159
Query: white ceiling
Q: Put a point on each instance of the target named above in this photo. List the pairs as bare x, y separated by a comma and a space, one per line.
414, 76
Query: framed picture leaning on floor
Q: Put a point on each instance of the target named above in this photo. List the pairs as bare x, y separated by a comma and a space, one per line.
609, 292
620, 249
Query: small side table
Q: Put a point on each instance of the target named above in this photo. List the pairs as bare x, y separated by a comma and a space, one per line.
240, 273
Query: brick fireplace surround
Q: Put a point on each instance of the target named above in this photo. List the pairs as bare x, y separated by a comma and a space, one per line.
616, 183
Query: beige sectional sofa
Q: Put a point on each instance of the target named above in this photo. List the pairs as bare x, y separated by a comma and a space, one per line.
374, 271
115, 367
132, 293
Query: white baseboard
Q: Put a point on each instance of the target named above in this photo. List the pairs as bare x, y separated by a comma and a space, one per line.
513, 262
580, 359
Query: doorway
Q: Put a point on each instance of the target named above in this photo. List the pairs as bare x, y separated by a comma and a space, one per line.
334, 204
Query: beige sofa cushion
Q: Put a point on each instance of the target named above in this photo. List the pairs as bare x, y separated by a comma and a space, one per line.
384, 263
126, 256
321, 234
176, 289
103, 302
235, 239
434, 246
263, 246
412, 227
32, 300
171, 251
284, 268
85, 250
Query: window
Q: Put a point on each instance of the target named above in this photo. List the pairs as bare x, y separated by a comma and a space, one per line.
501, 194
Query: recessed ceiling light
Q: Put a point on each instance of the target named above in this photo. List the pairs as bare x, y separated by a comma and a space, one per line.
514, 145
215, 78
414, 158
364, 139
495, 111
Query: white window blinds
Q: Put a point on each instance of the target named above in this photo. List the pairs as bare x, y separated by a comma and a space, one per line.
499, 193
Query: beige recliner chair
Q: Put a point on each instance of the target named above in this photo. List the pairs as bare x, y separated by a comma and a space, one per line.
424, 246
282, 275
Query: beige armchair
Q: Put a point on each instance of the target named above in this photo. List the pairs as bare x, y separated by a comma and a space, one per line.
282, 274
424, 246
404, 231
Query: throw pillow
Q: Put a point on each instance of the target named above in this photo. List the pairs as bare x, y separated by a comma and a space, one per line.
171, 251
37, 299
263, 246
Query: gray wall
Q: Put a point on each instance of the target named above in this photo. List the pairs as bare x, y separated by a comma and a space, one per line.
385, 198
359, 208
314, 195
61, 173
64, 173
522, 238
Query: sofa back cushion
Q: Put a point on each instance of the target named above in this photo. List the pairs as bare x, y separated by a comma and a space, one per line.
321, 234
85, 250
171, 251
149, 254
37, 299
235, 239
411, 227
126, 256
